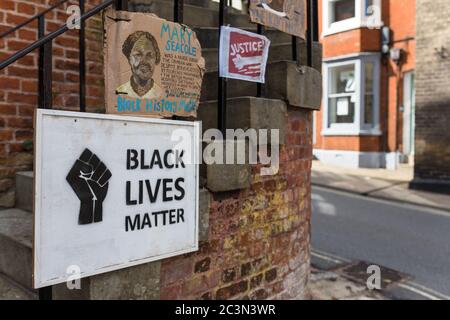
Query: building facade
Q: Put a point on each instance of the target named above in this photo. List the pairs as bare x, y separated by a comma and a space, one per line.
432, 165
367, 115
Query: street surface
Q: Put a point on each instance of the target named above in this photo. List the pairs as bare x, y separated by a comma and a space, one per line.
407, 238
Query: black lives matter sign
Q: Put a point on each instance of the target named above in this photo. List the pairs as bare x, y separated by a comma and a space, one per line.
112, 192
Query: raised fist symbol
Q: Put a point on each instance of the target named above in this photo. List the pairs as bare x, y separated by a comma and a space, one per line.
89, 180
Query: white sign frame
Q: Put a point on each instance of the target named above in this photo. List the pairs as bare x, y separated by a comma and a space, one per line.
38, 163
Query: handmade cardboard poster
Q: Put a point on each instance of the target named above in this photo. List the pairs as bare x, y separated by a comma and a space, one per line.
153, 67
285, 15
243, 55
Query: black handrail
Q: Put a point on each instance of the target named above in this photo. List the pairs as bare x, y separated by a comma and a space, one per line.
82, 59
312, 34
40, 42
222, 85
40, 14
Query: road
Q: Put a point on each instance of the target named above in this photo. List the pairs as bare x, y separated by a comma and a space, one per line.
410, 239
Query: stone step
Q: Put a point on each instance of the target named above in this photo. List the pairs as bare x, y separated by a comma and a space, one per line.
209, 36
277, 52
16, 233
194, 16
10, 290
24, 190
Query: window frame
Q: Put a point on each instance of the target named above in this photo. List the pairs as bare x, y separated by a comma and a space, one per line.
358, 127
361, 20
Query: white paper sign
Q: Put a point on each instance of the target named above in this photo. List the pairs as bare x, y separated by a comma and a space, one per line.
112, 192
243, 55
342, 107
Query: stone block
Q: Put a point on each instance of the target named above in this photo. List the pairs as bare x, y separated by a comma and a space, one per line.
302, 54
247, 112
301, 86
204, 206
221, 177
24, 190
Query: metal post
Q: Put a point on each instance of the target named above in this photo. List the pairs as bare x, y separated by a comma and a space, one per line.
122, 5
178, 7
45, 69
312, 32
294, 49
45, 293
309, 44
260, 89
82, 53
222, 87
44, 100
315, 19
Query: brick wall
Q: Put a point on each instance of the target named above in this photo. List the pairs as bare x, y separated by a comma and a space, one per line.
19, 84
259, 238
432, 160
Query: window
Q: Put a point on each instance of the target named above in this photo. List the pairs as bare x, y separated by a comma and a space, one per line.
351, 95
342, 10
342, 94
343, 15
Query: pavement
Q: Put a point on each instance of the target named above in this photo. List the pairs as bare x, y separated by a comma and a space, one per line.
336, 278
377, 183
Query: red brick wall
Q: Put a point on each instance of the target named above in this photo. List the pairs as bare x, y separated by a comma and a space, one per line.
400, 16
351, 42
258, 244
402, 21
18, 82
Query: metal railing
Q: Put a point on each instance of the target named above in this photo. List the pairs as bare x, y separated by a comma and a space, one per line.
44, 44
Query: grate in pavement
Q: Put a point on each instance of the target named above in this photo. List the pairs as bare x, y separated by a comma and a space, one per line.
358, 272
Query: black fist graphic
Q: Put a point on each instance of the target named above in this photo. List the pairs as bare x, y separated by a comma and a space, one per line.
89, 180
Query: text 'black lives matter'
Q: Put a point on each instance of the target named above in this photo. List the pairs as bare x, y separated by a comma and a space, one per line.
152, 190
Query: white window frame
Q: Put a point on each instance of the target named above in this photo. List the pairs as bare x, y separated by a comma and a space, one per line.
361, 20
358, 127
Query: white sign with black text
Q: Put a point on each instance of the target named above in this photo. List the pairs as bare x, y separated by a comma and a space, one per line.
112, 192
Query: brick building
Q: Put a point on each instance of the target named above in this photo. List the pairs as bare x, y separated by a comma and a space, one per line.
367, 116
432, 165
